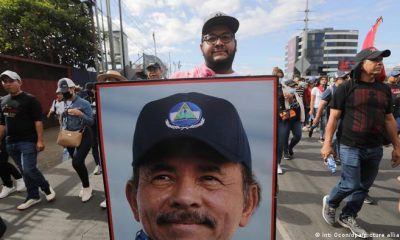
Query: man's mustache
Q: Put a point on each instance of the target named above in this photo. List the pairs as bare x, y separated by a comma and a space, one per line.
191, 217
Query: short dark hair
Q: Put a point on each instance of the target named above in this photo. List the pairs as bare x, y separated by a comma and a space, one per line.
185, 147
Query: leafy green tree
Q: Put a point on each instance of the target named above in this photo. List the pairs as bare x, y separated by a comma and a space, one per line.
55, 31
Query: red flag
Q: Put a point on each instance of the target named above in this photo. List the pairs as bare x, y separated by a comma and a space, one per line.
369, 41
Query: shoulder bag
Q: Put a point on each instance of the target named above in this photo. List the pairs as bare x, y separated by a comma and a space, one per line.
67, 138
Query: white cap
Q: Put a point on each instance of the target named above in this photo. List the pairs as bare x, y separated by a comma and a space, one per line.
10, 74
64, 84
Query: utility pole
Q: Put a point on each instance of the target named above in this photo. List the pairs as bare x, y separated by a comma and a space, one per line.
103, 38
155, 46
305, 40
110, 33
98, 35
122, 40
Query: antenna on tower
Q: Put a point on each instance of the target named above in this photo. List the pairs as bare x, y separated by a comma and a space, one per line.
306, 19
304, 64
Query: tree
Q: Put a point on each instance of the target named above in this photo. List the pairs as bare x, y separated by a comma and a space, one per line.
55, 31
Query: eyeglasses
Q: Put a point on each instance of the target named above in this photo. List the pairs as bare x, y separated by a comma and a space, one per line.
212, 39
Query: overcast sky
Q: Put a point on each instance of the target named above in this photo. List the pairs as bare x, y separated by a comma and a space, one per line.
265, 27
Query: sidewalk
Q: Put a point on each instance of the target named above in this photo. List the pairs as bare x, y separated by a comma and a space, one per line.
65, 218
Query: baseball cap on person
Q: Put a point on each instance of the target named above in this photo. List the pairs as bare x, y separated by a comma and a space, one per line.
368, 54
10, 74
394, 73
210, 120
220, 18
153, 65
64, 84
311, 79
340, 74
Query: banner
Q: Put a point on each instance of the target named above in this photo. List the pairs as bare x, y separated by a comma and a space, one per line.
139, 121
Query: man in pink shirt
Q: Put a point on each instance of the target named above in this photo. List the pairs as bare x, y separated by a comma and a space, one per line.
218, 46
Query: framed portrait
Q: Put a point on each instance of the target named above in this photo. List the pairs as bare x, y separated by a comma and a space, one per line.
119, 105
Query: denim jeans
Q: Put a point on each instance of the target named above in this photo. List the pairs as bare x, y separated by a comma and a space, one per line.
283, 127
7, 169
95, 143
25, 156
294, 126
322, 123
359, 169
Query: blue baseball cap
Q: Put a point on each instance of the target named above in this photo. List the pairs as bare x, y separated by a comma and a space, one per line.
210, 120
311, 79
394, 73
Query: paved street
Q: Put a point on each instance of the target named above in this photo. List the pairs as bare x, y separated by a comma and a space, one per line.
305, 181
65, 218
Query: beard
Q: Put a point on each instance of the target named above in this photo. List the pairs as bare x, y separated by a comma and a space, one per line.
220, 66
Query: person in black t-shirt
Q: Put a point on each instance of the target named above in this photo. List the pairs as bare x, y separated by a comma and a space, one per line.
364, 105
393, 83
21, 121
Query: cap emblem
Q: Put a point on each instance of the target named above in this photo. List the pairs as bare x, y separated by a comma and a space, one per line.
185, 115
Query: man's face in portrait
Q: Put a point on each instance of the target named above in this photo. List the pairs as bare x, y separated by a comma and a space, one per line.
191, 198
219, 47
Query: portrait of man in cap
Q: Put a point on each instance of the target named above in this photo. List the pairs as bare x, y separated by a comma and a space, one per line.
198, 163
189, 161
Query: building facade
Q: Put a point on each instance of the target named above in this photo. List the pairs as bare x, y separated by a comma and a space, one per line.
326, 51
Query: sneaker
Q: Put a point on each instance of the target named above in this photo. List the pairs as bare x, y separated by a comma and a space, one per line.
351, 223
103, 204
369, 200
305, 129
86, 194
97, 170
6, 191
279, 169
286, 156
20, 185
28, 203
51, 196
328, 213
80, 193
